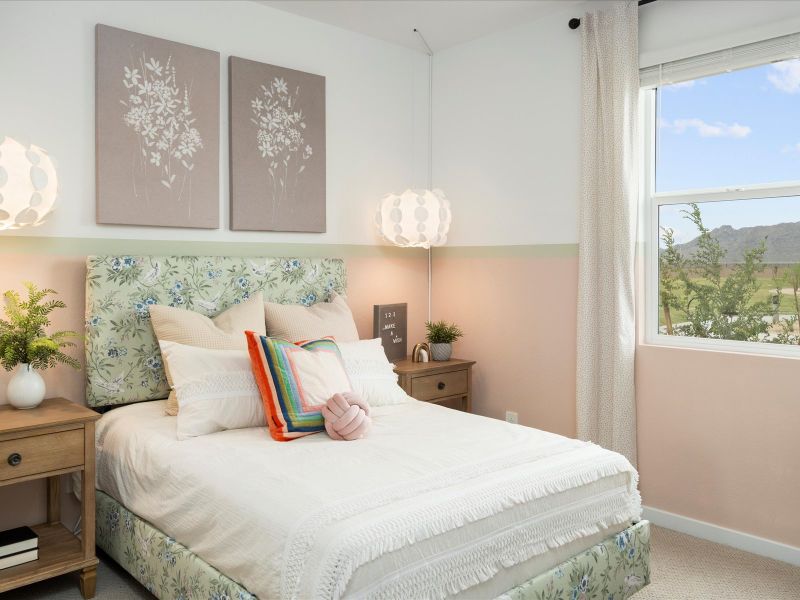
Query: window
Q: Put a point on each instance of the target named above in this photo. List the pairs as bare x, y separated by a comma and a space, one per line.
722, 205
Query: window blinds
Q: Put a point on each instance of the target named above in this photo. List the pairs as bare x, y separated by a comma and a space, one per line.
749, 55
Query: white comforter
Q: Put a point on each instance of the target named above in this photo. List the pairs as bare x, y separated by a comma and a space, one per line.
433, 503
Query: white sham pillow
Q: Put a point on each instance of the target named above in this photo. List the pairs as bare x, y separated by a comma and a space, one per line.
215, 389
370, 373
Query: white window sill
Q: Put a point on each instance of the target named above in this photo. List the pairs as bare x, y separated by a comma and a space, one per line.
756, 349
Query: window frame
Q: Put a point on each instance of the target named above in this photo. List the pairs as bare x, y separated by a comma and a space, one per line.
650, 202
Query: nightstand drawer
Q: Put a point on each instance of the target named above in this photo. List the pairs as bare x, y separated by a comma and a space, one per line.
442, 385
41, 453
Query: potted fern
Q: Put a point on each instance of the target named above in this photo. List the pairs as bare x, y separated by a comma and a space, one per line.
25, 344
441, 336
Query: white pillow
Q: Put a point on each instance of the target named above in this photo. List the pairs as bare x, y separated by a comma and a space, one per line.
216, 389
371, 374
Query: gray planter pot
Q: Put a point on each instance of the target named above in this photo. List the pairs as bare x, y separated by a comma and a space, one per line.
441, 351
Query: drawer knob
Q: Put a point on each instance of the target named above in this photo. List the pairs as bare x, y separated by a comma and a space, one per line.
440, 385
15, 459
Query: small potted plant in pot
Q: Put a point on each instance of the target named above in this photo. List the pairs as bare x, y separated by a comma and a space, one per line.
441, 336
25, 344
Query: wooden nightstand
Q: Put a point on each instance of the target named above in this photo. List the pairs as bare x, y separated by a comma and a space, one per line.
446, 382
50, 440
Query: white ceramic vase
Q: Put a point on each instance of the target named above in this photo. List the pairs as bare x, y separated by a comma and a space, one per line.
26, 388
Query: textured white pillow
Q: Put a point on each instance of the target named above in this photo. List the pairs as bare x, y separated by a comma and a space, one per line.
223, 332
371, 374
215, 389
295, 323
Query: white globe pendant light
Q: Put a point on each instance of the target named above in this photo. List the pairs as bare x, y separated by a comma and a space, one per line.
418, 218
28, 185
415, 218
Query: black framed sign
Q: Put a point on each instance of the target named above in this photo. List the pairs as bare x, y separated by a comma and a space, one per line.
389, 324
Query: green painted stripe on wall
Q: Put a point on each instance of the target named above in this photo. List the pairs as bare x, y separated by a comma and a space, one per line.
527, 251
85, 246
63, 246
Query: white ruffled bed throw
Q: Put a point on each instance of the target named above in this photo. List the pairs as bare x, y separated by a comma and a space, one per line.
432, 503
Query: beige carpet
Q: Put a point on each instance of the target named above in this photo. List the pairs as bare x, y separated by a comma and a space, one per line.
683, 568
687, 568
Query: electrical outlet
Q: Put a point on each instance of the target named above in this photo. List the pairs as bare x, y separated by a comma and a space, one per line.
512, 417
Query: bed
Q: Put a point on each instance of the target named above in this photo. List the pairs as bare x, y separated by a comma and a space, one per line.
486, 509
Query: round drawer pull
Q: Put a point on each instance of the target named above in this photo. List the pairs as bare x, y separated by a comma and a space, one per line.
440, 385
15, 459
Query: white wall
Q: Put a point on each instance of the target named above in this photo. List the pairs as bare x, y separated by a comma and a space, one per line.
507, 107
507, 152
506, 134
376, 103
507, 112
675, 29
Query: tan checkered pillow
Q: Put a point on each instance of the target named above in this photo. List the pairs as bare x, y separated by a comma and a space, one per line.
296, 323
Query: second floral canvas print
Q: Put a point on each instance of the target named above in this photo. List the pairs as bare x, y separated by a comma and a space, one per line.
277, 148
157, 111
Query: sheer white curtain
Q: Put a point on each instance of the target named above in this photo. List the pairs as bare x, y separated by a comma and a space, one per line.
606, 403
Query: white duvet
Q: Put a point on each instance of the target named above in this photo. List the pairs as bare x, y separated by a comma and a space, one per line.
433, 503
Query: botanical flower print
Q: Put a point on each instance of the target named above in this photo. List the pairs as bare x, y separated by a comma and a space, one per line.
308, 299
160, 113
280, 127
123, 360
166, 568
614, 569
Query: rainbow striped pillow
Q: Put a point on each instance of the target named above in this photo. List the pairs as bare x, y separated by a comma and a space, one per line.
295, 381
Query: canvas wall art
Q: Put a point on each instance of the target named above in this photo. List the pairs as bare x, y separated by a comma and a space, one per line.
277, 148
157, 131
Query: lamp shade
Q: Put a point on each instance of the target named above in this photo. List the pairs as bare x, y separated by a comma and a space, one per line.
28, 185
415, 218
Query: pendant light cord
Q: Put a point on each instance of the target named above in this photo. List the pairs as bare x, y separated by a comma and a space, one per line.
430, 166
429, 52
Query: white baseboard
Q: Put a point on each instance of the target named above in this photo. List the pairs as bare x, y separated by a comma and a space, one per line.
723, 535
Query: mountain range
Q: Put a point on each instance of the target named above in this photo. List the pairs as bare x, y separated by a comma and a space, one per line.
783, 242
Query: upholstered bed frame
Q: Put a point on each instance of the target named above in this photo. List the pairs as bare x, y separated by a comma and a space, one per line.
123, 365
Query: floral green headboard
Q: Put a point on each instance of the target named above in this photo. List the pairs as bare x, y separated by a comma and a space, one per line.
123, 361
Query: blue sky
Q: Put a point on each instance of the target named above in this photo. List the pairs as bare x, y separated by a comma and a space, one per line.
738, 128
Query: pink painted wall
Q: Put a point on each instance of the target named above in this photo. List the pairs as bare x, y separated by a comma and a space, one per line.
518, 315
371, 280
718, 433
376, 280
719, 438
67, 275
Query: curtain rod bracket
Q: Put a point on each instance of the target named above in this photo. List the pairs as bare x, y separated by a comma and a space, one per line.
574, 22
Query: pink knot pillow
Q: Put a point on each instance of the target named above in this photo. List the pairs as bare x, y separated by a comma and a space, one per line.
346, 416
